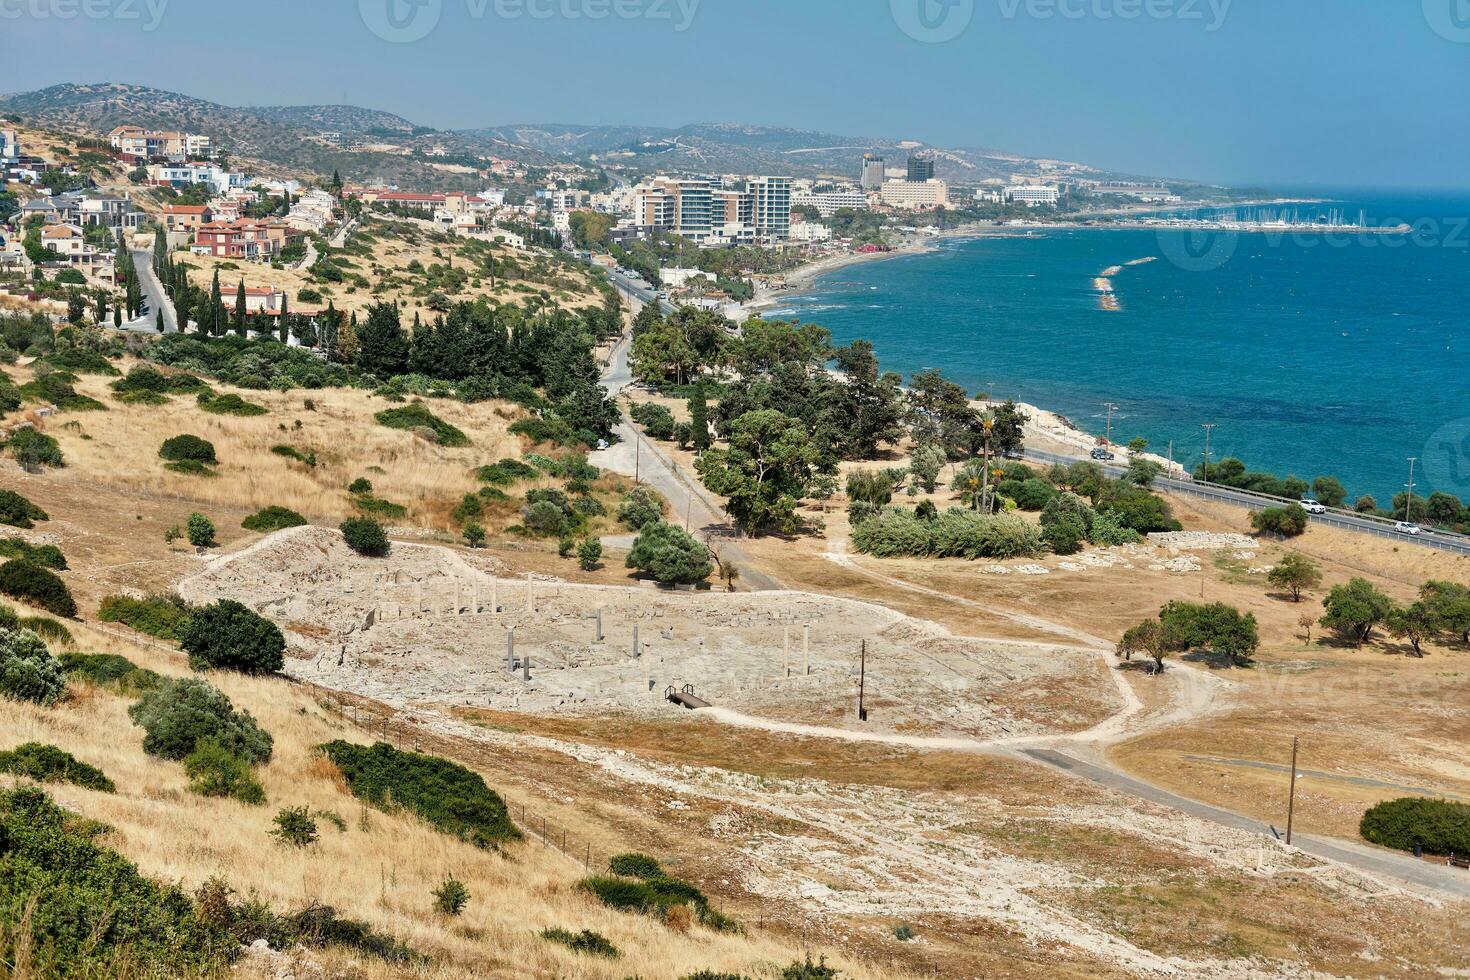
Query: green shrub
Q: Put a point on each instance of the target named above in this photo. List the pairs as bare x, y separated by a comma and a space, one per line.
366, 537
163, 616
110, 670
589, 554
586, 941
545, 430
190, 467
148, 385
669, 555
92, 913
807, 970
903, 932
45, 555
31, 448
506, 472
200, 531
188, 449
1108, 531
416, 415
318, 926
231, 636
588, 506
229, 405
442, 793
291, 452
17, 511
361, 485
1438, 826
181, 713
48, 764
376, 507
57, 389
273, 518
469, 509
452, 896
954, 533
635, 865
656, 419
215, 771
37, 586
295, 827
48, 629
638, 883
1289, 521
81, 361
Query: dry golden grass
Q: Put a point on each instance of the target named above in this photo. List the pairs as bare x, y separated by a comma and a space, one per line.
118, 450
382, 869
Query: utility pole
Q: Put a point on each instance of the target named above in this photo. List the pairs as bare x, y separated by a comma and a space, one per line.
1208, 427
1409, 500
1291, 798
1111, 409
863, 682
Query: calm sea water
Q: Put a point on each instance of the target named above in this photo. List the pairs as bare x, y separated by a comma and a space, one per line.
1311, 354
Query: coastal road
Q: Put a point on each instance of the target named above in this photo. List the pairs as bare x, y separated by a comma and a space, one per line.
1374, 861
1348, 520
636, 455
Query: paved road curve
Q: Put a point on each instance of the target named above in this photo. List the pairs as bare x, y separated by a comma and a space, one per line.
1373, 861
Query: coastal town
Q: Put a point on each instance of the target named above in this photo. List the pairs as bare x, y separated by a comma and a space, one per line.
520, 552
71, 207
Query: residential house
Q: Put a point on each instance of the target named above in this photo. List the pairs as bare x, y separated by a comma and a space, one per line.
70, 243
258, 299
187, 217
146, 145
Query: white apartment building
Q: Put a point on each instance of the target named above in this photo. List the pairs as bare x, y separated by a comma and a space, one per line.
1032, 195
676, 278
186, 174
828, 203
915, 195
809, 232
9, 147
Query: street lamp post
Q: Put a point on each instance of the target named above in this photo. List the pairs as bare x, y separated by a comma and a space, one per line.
1409, 500
1208, 427
1111, 409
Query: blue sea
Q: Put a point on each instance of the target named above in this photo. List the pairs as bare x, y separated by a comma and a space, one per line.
1311, 353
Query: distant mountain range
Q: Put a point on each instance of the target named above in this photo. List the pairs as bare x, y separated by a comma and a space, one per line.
397, 150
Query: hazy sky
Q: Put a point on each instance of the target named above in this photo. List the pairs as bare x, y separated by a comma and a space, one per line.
1285, 92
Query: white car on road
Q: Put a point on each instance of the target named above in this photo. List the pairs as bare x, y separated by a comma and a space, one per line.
1406, 527
1313, 506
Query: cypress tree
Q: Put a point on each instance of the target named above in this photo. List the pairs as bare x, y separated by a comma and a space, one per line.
158, 320
283, 325
240, 309
117, 317
213, 321
699, 418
